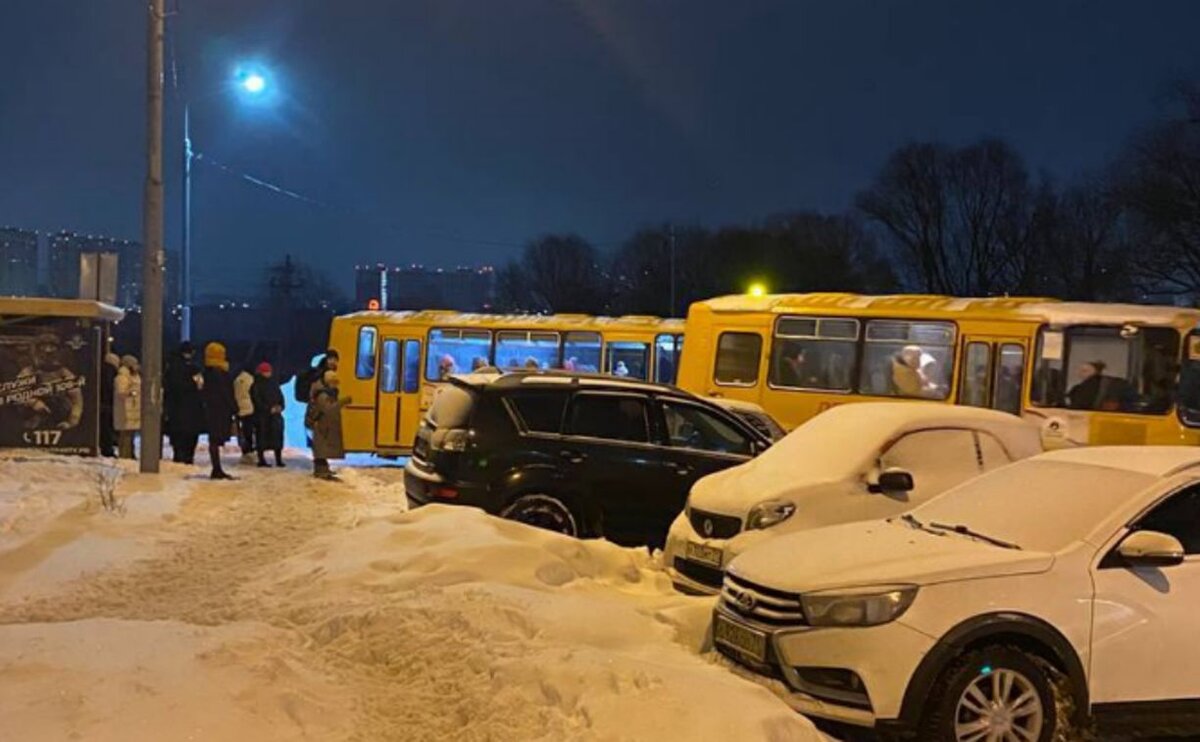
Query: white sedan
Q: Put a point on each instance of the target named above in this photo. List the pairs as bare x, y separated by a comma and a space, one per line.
853, 462
1011, 608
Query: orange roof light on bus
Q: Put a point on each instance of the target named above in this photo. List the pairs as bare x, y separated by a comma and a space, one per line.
757, 288
373, 305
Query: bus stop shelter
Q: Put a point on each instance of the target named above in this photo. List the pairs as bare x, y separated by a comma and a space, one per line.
50, 356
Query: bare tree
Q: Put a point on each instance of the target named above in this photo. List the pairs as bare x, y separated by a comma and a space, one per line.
556, 273
1158, 183
959, 217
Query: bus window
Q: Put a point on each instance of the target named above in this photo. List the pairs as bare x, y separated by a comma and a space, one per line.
813, 353
628, 359
1107, 368
1010, 378
364, 360
666, 357
412, 366
737, 359
976, 373
582, 351
531, 350
389, 380
456, 352
903, 358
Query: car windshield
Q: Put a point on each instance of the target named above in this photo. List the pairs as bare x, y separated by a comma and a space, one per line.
1037, 505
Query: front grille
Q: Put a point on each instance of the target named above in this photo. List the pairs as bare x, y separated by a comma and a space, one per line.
702, 573
714, 525
762, 604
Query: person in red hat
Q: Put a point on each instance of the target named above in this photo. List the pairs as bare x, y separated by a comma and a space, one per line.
268, 409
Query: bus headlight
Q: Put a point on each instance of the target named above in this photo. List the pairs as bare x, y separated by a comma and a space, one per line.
769, 513
869, 606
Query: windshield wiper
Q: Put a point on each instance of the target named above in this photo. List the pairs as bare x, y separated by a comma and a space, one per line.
965, 531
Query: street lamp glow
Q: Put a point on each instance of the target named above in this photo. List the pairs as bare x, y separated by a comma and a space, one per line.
254, 83
757, 289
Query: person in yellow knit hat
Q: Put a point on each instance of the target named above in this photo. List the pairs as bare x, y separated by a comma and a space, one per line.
220, 406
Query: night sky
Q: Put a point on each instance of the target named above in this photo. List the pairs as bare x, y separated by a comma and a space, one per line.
451, 131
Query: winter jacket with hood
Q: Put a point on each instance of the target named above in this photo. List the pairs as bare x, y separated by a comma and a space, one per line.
220, 408
325, 411
241, 392
267, 396
127, 396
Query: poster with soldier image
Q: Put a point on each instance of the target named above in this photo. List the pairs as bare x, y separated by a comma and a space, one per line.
48, 384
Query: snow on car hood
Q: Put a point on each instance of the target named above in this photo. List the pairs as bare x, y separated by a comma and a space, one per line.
735, 490
877, 553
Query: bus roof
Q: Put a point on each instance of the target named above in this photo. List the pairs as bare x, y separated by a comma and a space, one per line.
1081, 313
784, 303
1045, 310
516, 321
40, 307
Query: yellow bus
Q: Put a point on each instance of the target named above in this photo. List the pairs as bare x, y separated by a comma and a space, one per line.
796, 355
392, 362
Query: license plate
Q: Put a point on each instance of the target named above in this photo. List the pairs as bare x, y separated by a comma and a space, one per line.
709, 555
735, 636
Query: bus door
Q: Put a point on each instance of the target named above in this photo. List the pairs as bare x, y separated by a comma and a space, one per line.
992, 372
397, 406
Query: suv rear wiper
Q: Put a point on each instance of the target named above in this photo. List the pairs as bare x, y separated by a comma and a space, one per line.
965, 531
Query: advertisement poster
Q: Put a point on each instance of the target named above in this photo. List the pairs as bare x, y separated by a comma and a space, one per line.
49, 371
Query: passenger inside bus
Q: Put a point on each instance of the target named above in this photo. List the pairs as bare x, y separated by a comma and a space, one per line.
916, 373
1100, 392
446, 367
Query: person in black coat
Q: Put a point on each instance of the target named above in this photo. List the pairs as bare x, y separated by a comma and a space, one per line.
268, 411
108, 378
183, 404
220, 407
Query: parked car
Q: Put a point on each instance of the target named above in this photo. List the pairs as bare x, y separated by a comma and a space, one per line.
753, 414
853, 462
582, 455
1012, 607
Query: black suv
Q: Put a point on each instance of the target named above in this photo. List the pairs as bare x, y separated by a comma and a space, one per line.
582, 455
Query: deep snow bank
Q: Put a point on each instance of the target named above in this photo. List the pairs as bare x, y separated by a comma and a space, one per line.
468, 627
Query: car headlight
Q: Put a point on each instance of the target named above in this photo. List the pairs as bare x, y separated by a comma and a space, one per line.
769, 513
869, 606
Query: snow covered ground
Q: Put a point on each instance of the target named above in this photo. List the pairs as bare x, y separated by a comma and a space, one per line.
279, 607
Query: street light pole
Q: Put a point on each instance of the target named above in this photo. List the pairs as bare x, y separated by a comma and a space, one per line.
152, 238
185, 252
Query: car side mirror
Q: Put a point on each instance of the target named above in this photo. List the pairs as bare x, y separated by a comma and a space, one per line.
1151, 549
892, 481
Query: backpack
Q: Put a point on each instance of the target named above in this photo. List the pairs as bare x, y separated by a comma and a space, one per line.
304, 381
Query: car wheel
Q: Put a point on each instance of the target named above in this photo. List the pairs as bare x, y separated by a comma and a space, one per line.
994, 693
542, 511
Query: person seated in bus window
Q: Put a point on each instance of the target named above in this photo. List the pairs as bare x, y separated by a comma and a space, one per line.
906, 372
795, 369
478, 362
621, 369
837, 368
446, 367
532, 364
571, 364
1096, 391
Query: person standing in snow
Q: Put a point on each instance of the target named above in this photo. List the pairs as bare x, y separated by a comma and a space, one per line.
184, 404
324, 418
268, 411
108, 379
245, 412
220, 407
127, 405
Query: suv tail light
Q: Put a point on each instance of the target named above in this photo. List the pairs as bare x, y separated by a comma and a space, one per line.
453, 440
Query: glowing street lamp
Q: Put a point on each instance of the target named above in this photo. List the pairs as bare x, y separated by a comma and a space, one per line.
254, 83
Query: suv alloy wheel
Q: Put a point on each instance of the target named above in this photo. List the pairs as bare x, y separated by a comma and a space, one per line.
542, 511
995, 692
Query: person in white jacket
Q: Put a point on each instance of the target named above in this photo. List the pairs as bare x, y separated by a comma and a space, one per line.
247, 438
127, 405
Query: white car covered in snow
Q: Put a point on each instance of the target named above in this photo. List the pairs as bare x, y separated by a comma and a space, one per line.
853, 462
1010, 608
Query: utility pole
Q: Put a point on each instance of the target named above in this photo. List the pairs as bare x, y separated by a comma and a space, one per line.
185, 252
671, 228
152, 239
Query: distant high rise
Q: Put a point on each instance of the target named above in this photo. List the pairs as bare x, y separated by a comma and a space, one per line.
64, 250
463, 289
18, 262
